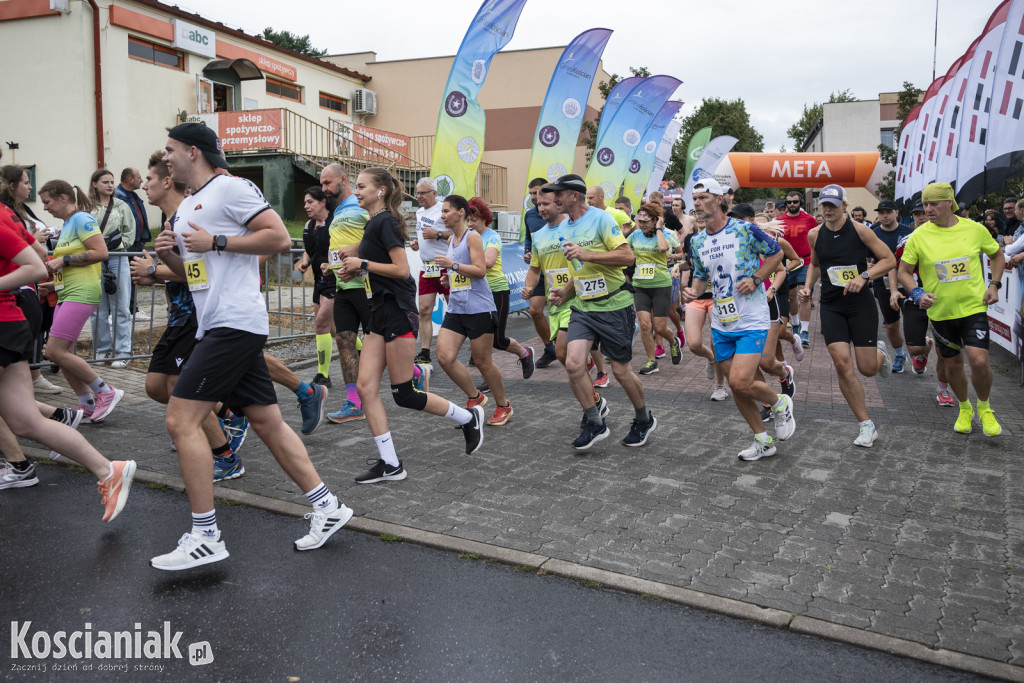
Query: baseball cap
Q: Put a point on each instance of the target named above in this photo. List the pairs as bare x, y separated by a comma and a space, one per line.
729, 190
709, 185
918, 206
742, 210
832, 194
202, 138
887, 205
569, 182
780, 205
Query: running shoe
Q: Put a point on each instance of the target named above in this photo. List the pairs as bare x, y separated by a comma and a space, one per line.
546, 359
681, 336
227, 468
105, 404
898, 361
11, 478
785, 423
312, 408
867, 435
787, 382
235, 430
709, 370
639, 432
527, 363
989, 424
602, 410
479, 400
885, 369
72, 418
591, 434
649, 368
194, 549
758, 450
119, 364
659, 352
920, 362
381, 471
474, 431
501, 415
322, 380
483, 388
798, 348
964, 420
602, 380
590, 363
945, 398
349, 411
41, 385
677, 352
721, 393
422, 383
766, 413
322, 526
115, 489
805, 338
423, 357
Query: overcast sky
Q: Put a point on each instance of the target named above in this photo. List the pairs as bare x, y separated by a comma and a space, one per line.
776, 56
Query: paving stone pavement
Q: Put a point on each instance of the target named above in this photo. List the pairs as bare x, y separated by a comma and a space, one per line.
920, 537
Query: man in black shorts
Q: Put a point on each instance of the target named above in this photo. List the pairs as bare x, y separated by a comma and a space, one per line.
220, 231
539, 299
890, 231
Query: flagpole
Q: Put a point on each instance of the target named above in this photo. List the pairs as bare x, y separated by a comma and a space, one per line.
935, 47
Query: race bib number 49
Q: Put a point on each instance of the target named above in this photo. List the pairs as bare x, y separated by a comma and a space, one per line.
195, 272
459, 283
953, 269
841, 276
726, 311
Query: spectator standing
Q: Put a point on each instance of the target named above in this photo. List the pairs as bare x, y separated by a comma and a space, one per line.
117, 225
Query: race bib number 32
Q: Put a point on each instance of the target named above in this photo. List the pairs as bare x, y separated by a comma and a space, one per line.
953, 269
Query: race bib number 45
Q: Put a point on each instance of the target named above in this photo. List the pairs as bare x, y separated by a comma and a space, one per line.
726, 311
953, 269
591, 287
195, 272
841, 276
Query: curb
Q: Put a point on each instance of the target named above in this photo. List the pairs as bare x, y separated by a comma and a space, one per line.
541, 564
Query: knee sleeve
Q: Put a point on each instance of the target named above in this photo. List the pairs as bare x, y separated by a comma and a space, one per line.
407, 397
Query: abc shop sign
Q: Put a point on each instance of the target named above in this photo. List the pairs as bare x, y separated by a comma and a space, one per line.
191, 38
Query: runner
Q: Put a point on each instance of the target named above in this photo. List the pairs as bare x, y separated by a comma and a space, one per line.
431, 240
472, 311
840, 250
602, 311
539, 301
219, 232
20, 265
351, 309
390, 340
316, 247
891, 232
946, 251
652, 284
798, 224
76, 279
726, 256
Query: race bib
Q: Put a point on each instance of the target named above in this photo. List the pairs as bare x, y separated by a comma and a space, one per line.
195, 272
591, 287
431, 269
459, 282
334, 259
557, 278
841, 276
644, 271
725, 310
953, 269
58, 280
366, 286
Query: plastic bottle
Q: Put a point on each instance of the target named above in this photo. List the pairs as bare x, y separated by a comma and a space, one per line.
575, 262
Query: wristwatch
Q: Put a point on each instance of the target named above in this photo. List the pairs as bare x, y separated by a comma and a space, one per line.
757, 281
67, 260
151, 270
992, 283
220, 243
866, 276
455, 267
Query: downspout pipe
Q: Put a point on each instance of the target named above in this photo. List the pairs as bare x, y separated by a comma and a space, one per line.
97, 75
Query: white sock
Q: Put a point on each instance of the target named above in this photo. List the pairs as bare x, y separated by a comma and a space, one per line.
386, 448
98, 386
866, 422
205, 523
796, 322
780, 404
87, 400
898, 351
458, 415
763, 437
321, 497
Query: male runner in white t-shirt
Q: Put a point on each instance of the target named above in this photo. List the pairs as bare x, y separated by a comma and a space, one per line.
431, 242
220, 231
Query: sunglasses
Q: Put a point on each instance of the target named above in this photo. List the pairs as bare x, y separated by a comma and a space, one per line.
643, 218
793, 202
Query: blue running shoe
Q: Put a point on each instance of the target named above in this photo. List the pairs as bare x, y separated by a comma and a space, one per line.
898, 361
805, 338
422, 383
227, 468
235, 430
312, 408
349, 411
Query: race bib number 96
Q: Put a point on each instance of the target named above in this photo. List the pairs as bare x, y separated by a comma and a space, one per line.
557, 277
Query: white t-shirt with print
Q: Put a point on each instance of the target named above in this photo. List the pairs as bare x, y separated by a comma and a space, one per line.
430, 218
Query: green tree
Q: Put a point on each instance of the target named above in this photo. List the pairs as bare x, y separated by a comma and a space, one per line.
291, 41
725, 118
799, 131
906, 100
589, 128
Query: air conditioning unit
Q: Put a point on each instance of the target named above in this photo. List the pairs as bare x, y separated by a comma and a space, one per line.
365, 101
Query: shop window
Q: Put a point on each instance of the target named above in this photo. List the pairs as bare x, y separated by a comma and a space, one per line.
155, 54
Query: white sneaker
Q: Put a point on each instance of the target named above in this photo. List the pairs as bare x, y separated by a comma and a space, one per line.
709, 371
119, 363
141, 314
194, 549
798, 348
785, 423
885, 369
720, 393
322, 525
41, 385
758, 450
867, 435
102, 355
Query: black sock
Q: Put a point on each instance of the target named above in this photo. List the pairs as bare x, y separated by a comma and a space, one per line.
61, 415
549, 348
21, 465
223, 451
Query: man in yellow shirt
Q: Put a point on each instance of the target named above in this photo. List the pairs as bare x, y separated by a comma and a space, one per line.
947, 252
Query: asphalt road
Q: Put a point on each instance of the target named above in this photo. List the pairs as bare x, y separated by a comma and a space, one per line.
359, 608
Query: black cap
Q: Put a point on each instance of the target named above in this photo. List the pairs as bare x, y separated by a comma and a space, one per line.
202, 138
743, 210
918, 206
780, 205
569, 182
887, 205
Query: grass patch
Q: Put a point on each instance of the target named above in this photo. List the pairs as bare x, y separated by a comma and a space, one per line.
78, 468
222, 501
158, 487
470, 556
295, 228
593, 584
655, 598
390, 538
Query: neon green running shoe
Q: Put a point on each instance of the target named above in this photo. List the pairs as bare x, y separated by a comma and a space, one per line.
964, 421
989, 423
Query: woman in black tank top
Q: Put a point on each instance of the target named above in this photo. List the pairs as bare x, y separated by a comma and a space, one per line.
840, 249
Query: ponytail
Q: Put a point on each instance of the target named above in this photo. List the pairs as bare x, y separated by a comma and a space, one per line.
394, 193
74, 193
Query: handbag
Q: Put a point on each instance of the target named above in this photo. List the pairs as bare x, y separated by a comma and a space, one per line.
109, 277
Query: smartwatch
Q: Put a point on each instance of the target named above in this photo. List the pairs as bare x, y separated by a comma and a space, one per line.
866, 276
67, 260
992, 283
455, 267
151, 270
220, 243
757, 281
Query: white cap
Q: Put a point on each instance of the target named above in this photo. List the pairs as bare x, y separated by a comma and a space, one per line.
709, 185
